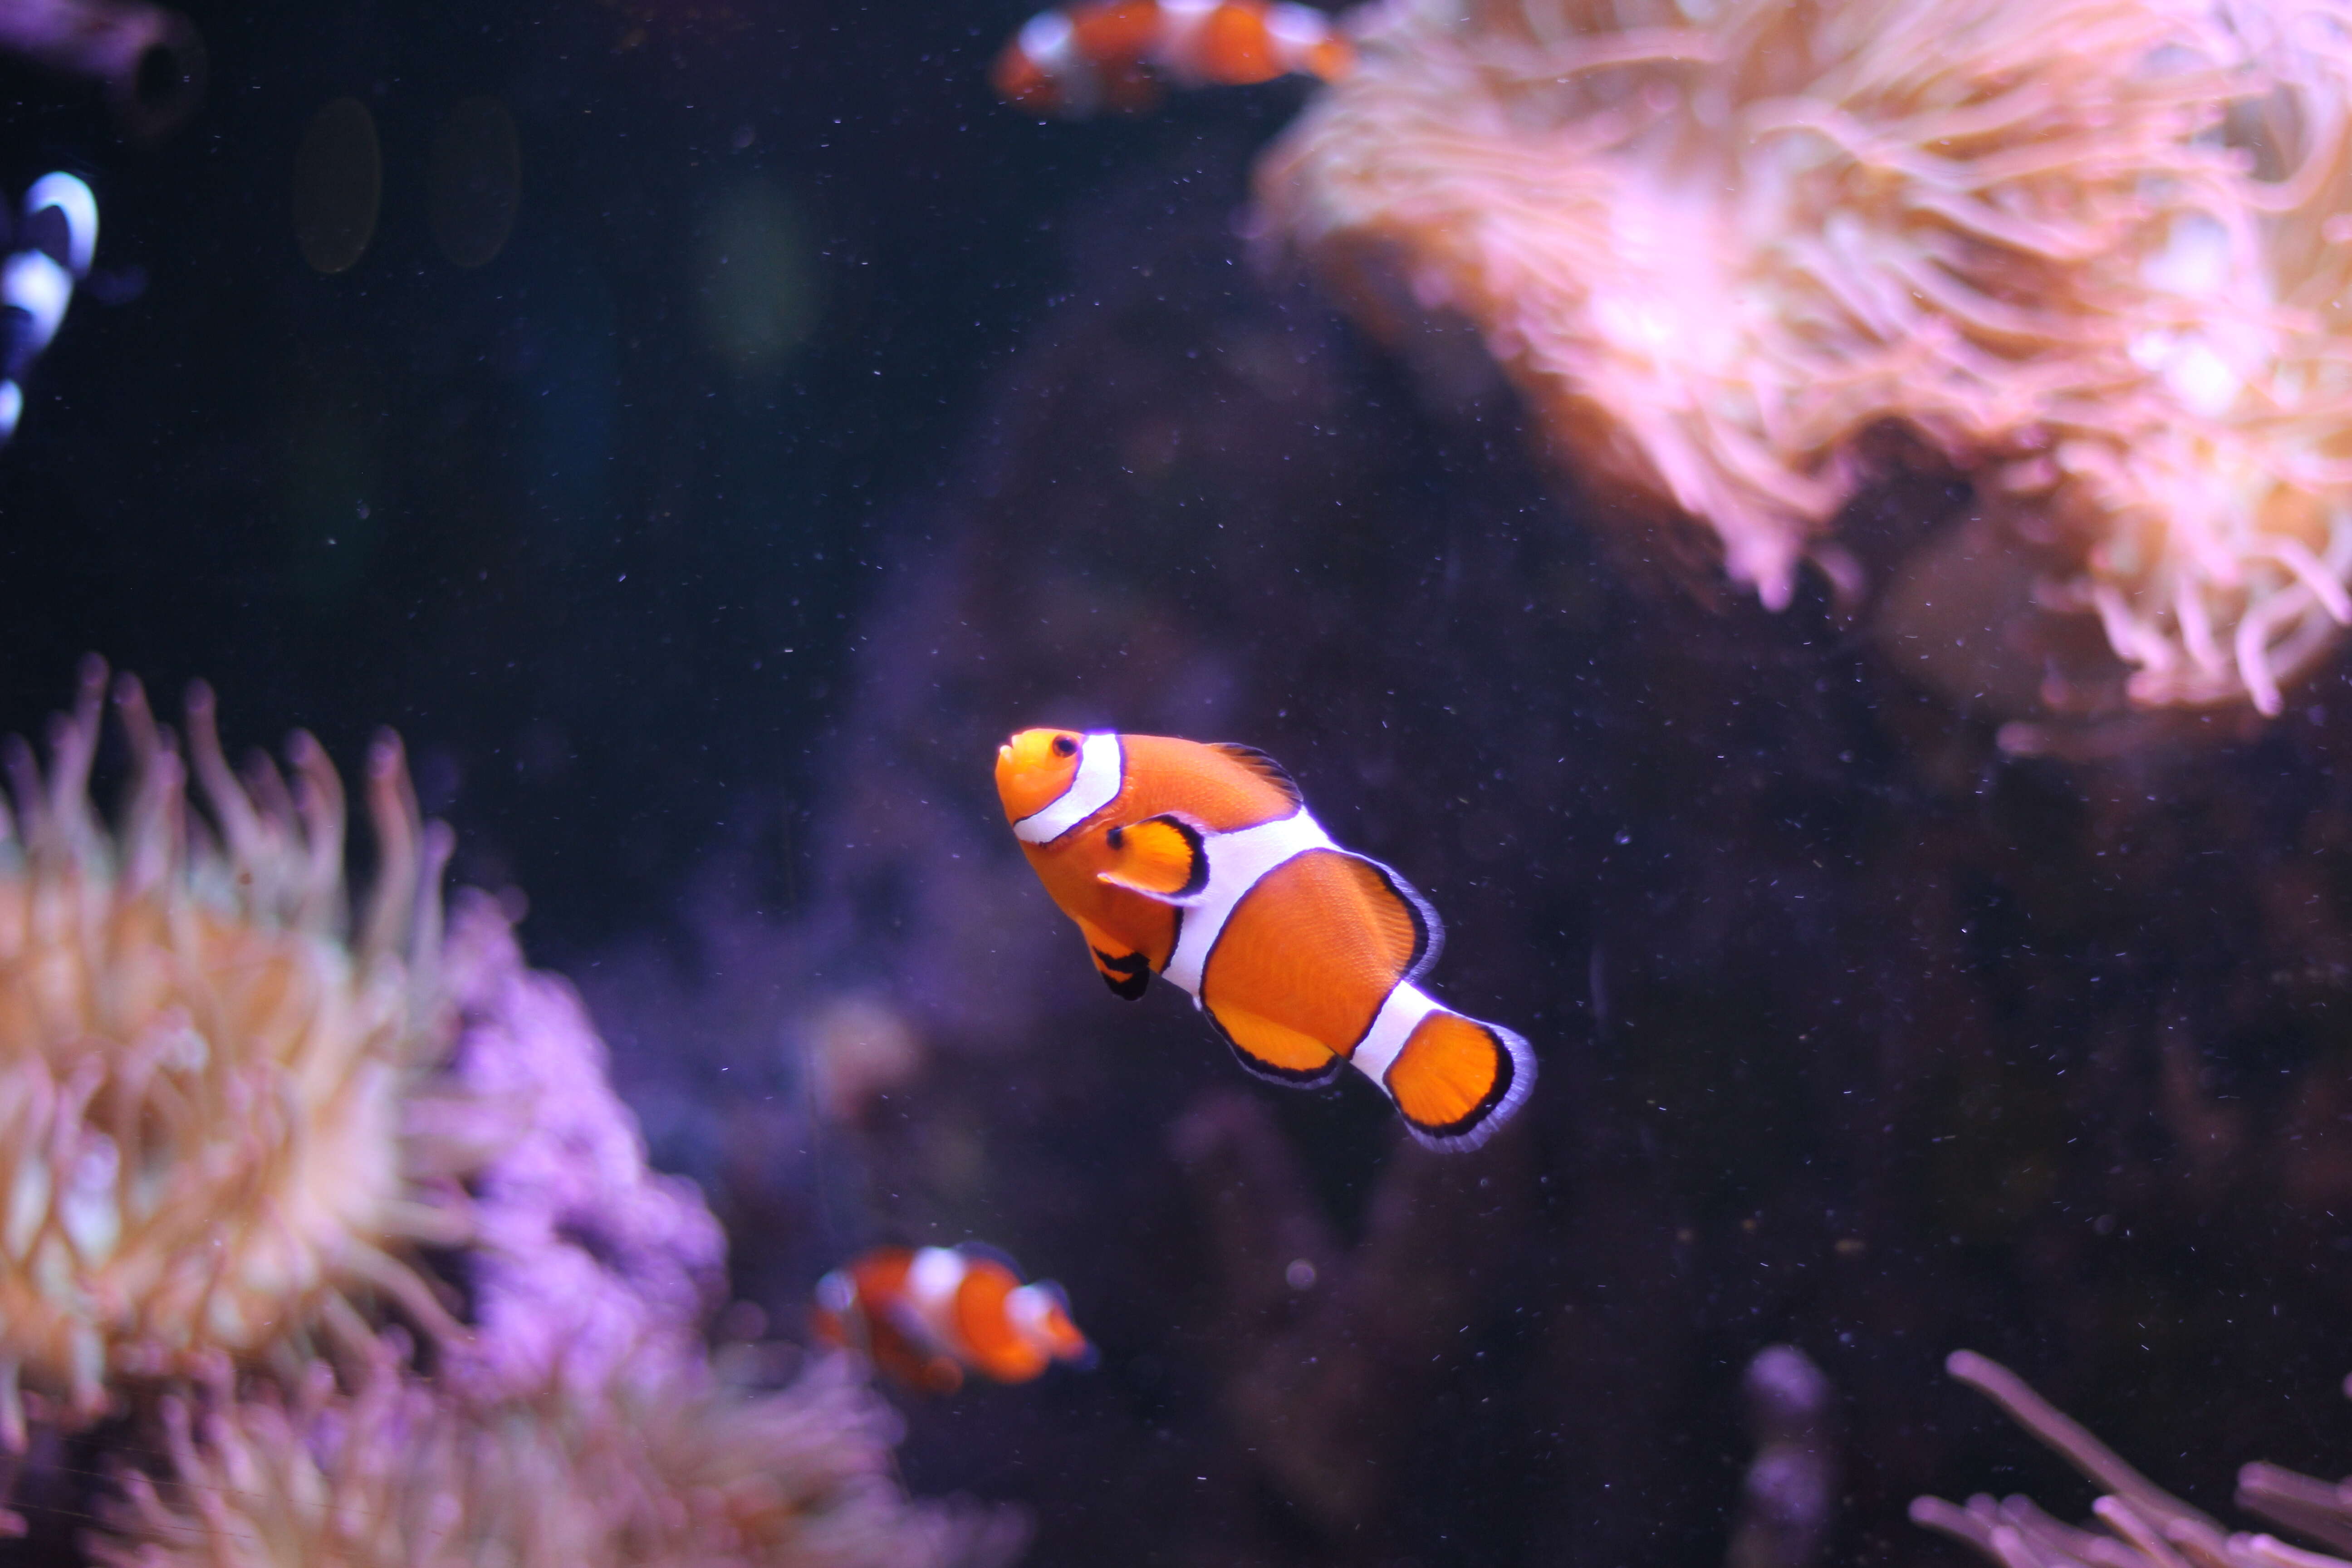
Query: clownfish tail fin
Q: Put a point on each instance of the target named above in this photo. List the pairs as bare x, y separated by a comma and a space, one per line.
1165, 858
1456, 1080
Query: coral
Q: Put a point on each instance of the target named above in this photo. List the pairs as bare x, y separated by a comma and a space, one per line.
643, 1471
2084, 252
583, 1257
218, 1118
2147, 1526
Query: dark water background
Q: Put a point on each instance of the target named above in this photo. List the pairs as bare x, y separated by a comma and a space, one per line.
1855, 1034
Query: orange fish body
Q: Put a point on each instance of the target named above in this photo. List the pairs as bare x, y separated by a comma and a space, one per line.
1114, 54
1202, 864
926, 1316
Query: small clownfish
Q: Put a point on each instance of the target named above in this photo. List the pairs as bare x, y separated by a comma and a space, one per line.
928, 1315
1200, 863
1115, 54
54, 242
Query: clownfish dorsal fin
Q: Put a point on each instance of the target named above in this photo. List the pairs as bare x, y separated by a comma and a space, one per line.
1264, 766
982, 1252
1165, 858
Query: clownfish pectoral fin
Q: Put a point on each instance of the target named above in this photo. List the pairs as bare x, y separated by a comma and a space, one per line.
1163, 857
1264, 766
1457, 1081
1274, 1051
1126, 971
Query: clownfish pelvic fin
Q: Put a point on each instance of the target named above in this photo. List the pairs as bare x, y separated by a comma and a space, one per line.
1124, 969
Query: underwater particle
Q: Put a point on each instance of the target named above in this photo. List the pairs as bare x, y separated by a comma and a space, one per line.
475, 182
220, 1112
659, 1467
928, 1315
758, 291
2084, 252
338, 186
1202, 864
2145, 1527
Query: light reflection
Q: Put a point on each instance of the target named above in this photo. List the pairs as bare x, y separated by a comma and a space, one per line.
759, 293
338, 186
476, 181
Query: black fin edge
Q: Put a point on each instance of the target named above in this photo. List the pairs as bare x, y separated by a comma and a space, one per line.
1288, 1078
1429, 929
1495, 1107
1264, 766
1129, 976
1198, 844
1197, 877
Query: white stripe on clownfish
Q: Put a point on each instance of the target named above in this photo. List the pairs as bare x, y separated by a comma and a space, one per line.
1102, 769
1238, 861
1398, 1016
933, 1277
58, 235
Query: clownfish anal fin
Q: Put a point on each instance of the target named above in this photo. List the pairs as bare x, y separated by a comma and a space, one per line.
1274, 1051
1163, 857
1264, 766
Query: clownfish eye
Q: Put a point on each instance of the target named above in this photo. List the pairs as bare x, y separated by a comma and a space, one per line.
1064, 747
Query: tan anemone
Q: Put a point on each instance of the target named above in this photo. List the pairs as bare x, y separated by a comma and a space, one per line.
2088, 252
2134, 1523
672, 1470
217, 1112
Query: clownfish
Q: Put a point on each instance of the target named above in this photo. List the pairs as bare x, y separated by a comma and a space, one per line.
928, 1315
56, 239
1115, 53
1200, 863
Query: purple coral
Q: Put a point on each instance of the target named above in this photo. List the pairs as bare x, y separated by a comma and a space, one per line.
583, 1257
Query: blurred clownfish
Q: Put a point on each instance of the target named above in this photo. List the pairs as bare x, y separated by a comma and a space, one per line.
1114, 54
1200, 863
929, 1315
55, 240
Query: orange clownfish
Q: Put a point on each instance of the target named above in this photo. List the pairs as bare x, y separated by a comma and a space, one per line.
1115, 53
928, 1315
1202, 864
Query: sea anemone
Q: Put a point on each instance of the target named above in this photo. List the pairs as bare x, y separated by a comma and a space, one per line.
219, 1118
2087, 252
664, 1471
2146, 1526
